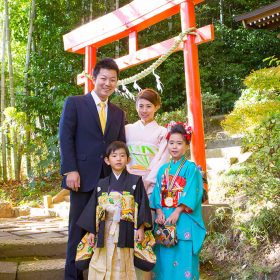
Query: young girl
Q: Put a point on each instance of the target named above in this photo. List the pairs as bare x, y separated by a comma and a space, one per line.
118, 204
177, 200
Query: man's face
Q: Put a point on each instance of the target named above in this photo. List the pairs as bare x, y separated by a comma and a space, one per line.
105, 83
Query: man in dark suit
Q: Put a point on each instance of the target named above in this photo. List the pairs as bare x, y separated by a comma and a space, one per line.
89, 123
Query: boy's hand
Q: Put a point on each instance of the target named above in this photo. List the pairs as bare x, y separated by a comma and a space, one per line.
160, 217
90, 239
140, 234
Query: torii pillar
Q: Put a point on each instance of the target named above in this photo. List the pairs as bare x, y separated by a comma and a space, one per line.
127, 22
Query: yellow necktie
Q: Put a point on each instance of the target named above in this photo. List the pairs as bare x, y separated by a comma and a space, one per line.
102, 115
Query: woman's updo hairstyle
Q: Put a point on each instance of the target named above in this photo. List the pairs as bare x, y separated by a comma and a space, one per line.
150, 95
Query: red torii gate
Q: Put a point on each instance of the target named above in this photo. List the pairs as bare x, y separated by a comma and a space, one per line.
127, 22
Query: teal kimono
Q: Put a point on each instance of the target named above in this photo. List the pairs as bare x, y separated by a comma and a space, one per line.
182, 260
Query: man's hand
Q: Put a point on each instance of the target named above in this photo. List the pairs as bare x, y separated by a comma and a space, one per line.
160, 217
73, 180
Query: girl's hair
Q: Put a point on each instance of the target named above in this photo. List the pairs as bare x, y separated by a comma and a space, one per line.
150, 95
179, 128
116, 145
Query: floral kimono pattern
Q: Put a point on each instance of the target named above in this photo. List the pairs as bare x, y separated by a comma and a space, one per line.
182, 260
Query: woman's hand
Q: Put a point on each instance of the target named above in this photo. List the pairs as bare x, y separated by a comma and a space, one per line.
173, 218
90, 239
140, 234
148, 185
160, 217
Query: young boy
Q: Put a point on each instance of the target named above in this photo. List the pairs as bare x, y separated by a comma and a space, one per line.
119, 205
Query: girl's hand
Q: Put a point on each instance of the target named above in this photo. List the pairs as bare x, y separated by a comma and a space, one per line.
140, 234
90, 239
160, 217
173, 218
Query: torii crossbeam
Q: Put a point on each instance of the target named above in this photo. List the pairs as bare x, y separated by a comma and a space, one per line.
127, 22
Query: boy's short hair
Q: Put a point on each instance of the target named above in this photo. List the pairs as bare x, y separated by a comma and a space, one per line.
116, 145
106, 63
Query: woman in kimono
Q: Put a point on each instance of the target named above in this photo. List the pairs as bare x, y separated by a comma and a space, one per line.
119, 205
146, 140
177, 200
147, 146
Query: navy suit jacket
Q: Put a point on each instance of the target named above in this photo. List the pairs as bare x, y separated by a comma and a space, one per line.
82, 143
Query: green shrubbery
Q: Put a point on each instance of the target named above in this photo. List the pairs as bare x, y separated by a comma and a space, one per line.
257, 116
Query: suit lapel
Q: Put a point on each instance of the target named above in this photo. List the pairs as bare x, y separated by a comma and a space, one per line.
92, 109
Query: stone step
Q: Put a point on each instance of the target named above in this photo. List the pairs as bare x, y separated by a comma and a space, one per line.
60, 196
8, 270
47, 269
221, 143
225, 152
60, 209
38, 269
217, 164
50, 247
43, 270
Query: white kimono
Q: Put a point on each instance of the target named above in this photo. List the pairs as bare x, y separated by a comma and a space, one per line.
148, 150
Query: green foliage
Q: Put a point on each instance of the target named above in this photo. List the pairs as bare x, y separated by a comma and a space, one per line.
30, 192
229, 58
128, 106
257, 116
166, 117
52, 73
267, 79
210, 103
264, 142
246, 117
257, 102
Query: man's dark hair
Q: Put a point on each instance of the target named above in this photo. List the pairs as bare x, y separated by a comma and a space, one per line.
116, 145
106, 63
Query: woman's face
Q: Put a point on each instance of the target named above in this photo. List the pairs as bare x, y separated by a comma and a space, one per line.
146, 110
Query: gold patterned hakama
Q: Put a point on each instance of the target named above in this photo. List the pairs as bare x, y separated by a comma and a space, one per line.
112, 262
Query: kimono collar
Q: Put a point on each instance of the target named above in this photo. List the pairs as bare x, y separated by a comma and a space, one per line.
152, 123
177, 162
121, 177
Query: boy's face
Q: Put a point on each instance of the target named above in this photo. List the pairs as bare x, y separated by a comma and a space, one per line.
118, 160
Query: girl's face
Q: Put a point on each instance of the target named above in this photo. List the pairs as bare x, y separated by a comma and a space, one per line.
177, 146
146, 110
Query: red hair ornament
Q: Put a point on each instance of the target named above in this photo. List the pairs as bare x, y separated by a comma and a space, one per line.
187, 128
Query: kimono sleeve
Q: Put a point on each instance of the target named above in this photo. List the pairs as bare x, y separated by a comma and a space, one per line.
155, 201
87, 220
160, 158
192, 193
144, 212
